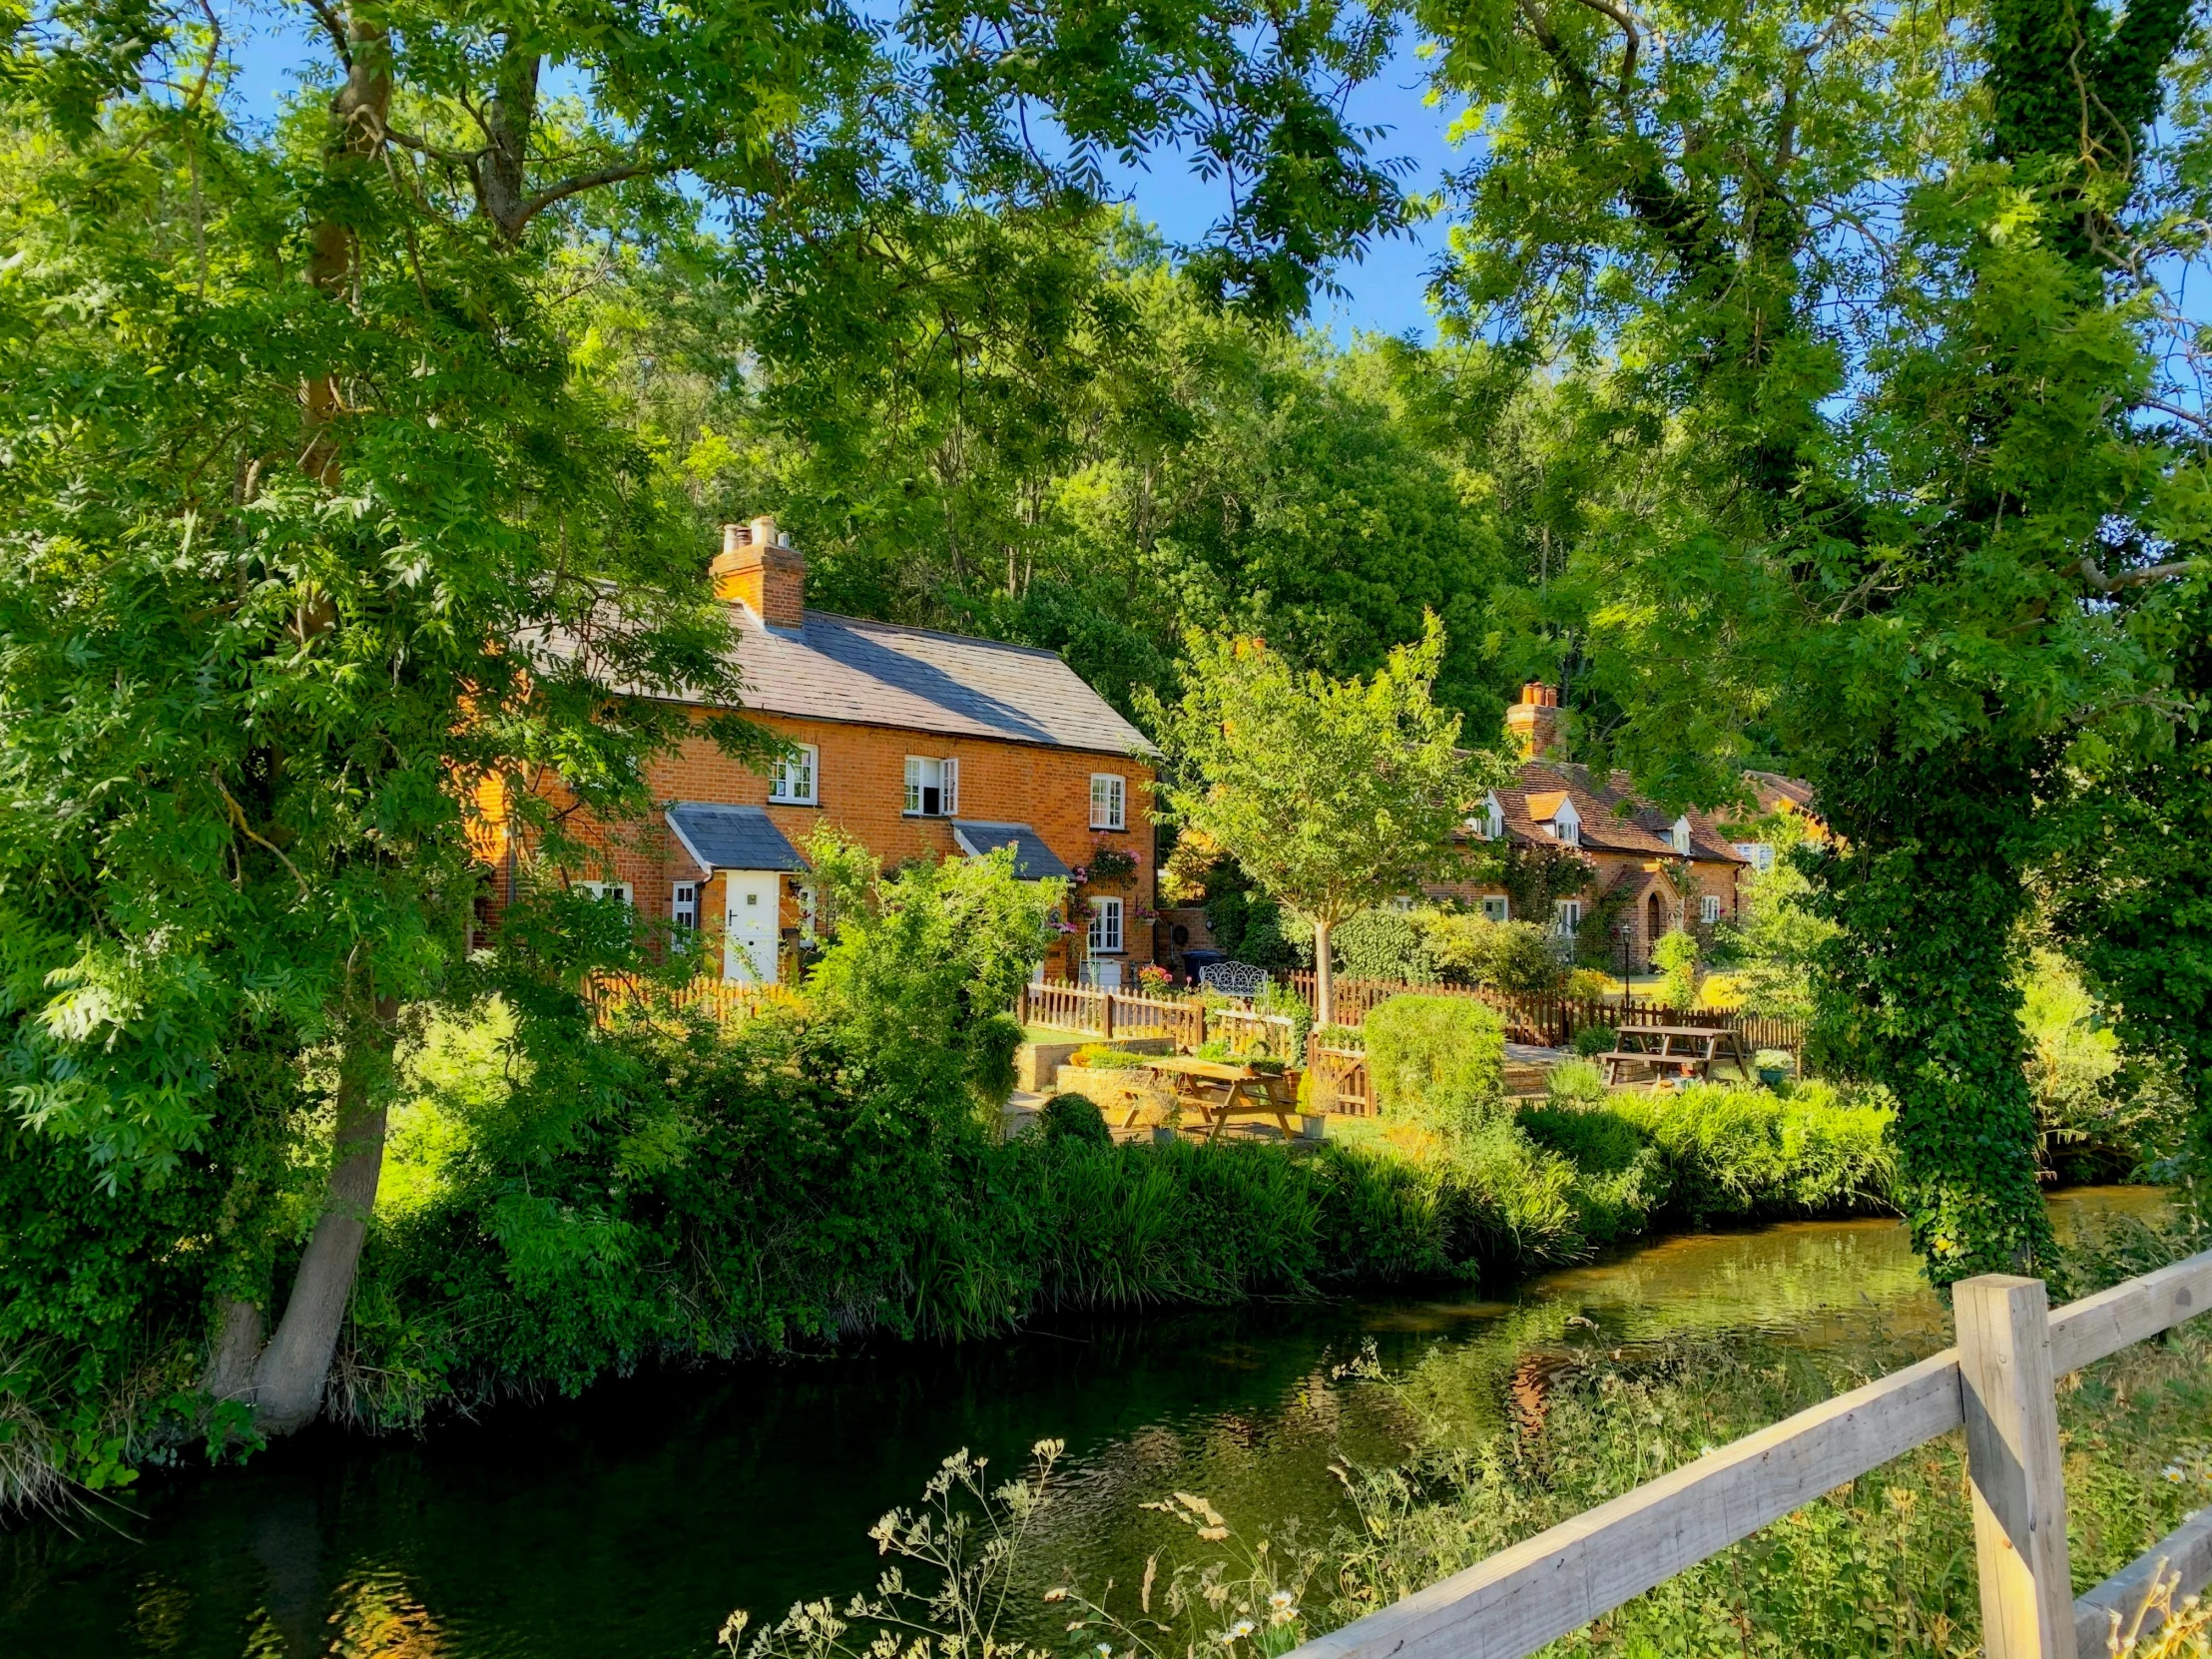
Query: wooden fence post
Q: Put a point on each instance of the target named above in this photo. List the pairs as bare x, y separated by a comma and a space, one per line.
1106, 1014
2020, 1490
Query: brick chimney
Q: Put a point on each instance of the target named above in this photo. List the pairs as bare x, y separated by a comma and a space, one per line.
761, 570
1534, 722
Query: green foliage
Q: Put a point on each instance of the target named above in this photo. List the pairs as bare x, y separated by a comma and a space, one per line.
1073, 1117
1680, 961
1516, 956
1575, 1083
1384, 944
1594, 1039
1438, 1060
1287, 774
919, 973
1771, 946
1106, 1057
1250, 925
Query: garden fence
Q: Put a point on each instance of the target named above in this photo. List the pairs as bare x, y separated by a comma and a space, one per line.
1551, 1021
1998, 1384
727, 1003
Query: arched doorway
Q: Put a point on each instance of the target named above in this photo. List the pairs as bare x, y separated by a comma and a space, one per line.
1654, 922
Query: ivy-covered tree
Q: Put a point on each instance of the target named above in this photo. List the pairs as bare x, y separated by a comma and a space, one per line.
1860, 279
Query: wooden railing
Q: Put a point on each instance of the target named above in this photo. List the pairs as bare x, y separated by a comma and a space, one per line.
1551, 1021
726, 1001
1999, 1383
1339, 1080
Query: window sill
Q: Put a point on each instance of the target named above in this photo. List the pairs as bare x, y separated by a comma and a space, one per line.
773, 802
1109, 829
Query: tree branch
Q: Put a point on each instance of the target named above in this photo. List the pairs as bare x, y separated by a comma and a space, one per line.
2095, 577
588, 181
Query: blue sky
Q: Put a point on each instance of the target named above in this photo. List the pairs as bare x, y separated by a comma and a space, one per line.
1383, 291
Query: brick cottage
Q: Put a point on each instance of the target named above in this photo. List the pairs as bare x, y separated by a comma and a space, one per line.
917, 744
1654, 874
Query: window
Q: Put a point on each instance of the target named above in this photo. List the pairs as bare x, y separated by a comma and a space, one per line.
1109, 801
1566, 824
1496, 907
1490, 823
616, 890
932, 787
793, 780
682, 906
1105, 928
1709, 908
1567, 916
1761, 854
1680, 836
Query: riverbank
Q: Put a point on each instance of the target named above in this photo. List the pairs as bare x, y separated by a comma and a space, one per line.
625, 1523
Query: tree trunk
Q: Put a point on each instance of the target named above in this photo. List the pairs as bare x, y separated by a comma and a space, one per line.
1325, 975
288, 1380
236, 1349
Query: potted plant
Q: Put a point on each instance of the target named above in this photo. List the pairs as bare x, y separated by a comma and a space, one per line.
1774, 1065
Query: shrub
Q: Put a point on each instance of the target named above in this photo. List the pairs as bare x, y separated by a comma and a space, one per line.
1733, 1151
1774, 1059
1594, 1039
1586, 985
1280, 999
1439, 1061
1676, 955
1074, 1117
1105, 1057
1576, 1082
1516, 956
1383, 944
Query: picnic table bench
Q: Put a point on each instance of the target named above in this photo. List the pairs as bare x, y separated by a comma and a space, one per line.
1689, 1050
1221, 1089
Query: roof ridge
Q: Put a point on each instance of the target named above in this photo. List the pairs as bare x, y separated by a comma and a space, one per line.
943, 634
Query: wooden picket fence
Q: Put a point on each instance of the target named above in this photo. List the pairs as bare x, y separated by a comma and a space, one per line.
1551, 1021
610, 994
1998, 1384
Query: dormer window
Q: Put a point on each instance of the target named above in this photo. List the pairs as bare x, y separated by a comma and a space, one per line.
1490, 823
1566, 825
1680, 836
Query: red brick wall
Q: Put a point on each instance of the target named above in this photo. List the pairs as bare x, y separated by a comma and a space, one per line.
860, 782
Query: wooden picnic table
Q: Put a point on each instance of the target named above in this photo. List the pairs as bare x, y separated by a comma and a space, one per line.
1222, 1089
1691, 1050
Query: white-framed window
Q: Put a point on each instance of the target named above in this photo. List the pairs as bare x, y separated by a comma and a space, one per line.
1709, 908
1106, 927
1566, 915
1490, 823
792, 783
1109, 801
682, 905
1761, 854
1566, 824
1496, 907
1679, 835
932, 787
616, 890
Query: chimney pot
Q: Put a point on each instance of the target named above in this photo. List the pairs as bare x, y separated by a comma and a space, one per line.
1532, 724
761, 570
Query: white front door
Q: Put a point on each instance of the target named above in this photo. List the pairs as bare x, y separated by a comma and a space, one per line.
751, 934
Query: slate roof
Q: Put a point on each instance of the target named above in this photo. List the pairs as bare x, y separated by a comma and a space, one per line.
731, 838
1033, 861
879, 673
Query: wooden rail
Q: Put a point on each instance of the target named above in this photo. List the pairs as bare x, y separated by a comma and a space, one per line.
1551, 1021
1997, 1384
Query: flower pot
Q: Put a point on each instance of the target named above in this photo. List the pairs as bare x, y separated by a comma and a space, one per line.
1772, 1077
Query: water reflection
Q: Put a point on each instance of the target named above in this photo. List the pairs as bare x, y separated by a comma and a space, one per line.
626, 1524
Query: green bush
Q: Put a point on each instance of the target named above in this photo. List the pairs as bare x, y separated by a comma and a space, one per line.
1516, 956
1576, 1082
1439, 1061
1594, 1039
1383, 944
1735, 1152
1106, 1057
1677, 958
1073, 1117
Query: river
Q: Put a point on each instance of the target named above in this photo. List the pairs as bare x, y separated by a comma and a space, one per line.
627, 1523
